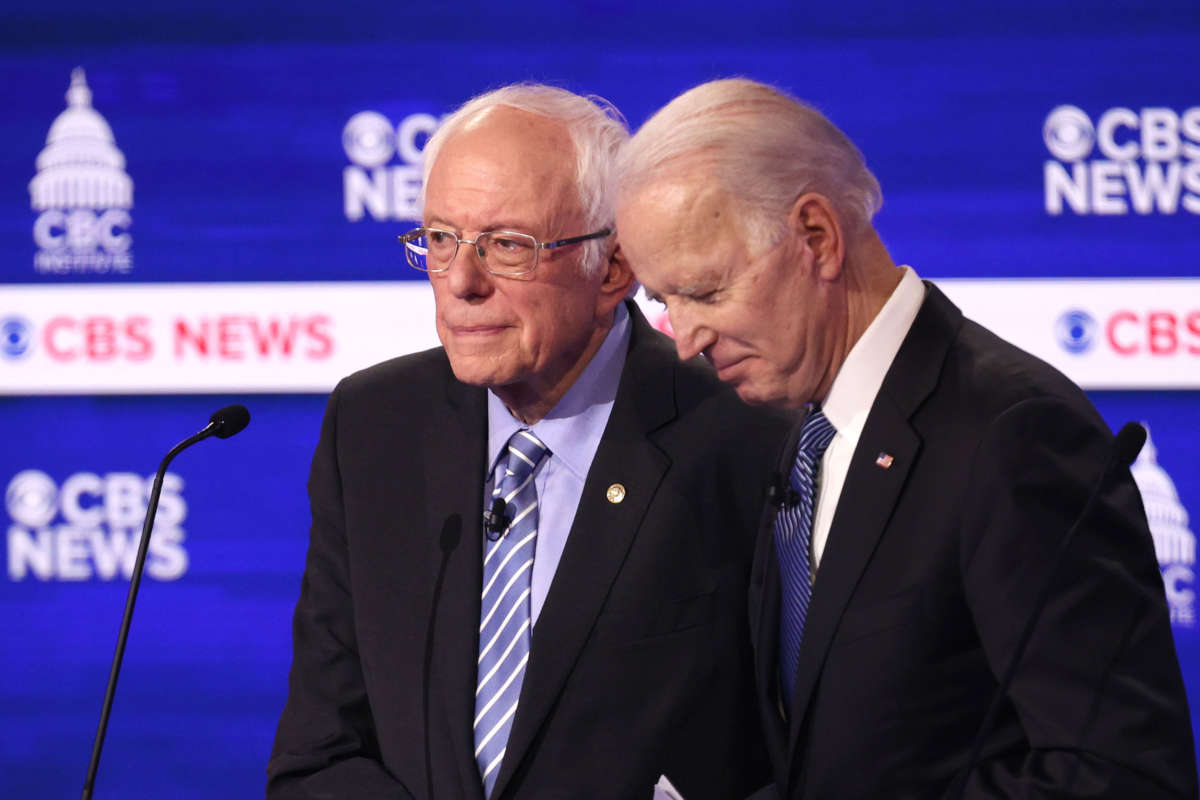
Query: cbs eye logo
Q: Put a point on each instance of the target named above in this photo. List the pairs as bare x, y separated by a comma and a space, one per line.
16, 337
1075, 330
32, 498
1068, 133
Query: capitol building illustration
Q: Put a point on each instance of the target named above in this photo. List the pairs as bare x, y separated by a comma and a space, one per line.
80, 166
82, 193
1174, 543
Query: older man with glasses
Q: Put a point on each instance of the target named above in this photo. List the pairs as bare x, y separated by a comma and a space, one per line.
530, 548
939, 610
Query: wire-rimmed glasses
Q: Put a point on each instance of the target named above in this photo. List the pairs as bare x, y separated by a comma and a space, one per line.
507, 253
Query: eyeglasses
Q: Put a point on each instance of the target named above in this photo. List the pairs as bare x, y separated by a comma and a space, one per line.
506, 253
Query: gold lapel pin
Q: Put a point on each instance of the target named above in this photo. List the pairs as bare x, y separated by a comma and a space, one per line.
615, 493
884, 460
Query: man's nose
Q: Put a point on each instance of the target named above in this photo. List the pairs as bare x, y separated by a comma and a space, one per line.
467, 275
691, 336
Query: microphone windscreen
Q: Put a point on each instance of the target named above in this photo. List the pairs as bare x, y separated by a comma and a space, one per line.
1129, 443
229, 420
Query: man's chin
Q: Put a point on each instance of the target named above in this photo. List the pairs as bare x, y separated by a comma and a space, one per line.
751, 394
755, 394
473, 373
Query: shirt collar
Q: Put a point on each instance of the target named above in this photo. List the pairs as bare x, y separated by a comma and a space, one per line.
858, 381
573, 428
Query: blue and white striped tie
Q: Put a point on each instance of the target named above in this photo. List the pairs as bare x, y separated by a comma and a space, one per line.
504, 627
793, 536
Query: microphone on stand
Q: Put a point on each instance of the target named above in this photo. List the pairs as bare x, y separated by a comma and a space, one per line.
222, 424
447, 542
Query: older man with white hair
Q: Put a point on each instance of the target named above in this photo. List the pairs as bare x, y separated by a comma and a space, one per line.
530, 548
920, 530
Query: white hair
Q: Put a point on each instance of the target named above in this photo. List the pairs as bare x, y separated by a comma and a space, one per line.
762, 146
597, 130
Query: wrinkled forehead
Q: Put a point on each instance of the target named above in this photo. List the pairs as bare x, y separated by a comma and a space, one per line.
684, 222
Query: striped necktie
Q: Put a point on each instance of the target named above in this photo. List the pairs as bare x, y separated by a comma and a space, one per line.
504, 627
793, 536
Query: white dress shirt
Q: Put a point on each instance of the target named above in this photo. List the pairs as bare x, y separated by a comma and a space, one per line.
853, 393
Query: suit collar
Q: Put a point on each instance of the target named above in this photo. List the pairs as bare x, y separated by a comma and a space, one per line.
601, 535
861, 375
857, 526
572, 429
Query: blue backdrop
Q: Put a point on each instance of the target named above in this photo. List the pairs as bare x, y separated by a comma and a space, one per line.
232, 123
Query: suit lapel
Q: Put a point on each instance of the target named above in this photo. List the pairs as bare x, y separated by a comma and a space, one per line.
455, 564
763, 606
857, 525
856, 529
600, 536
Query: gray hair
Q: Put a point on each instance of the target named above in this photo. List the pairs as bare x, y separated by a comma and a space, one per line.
762, 146
597, 130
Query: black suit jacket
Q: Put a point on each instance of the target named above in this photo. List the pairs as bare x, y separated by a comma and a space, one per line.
640, 660
931, 569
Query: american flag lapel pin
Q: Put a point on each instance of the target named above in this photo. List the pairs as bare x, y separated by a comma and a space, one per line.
884, 460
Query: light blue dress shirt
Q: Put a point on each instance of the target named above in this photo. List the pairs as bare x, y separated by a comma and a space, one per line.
572, 431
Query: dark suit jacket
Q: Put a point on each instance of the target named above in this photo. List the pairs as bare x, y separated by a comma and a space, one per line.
640, 661
932, 568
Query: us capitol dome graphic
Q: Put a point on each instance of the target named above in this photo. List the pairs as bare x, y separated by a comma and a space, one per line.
80, 167
1173, 541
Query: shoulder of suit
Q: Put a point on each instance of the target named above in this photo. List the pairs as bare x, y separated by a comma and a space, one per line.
412, 368
994, 375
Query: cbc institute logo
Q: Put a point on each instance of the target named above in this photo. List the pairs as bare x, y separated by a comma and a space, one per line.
1144, 162
82, 193
88, 528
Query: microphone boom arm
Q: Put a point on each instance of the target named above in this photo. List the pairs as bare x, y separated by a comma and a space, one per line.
223, 424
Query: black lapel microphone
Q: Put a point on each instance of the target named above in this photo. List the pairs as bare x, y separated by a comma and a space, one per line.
495, 520
223, 424
780, 492
1125, 448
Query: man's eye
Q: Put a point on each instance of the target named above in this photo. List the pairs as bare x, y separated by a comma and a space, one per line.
509, 244
438, 237
706, 298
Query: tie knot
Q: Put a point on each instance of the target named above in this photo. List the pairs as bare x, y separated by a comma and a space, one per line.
815, 435
523, 452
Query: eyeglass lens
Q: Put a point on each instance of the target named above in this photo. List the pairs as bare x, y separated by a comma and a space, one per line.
501, 252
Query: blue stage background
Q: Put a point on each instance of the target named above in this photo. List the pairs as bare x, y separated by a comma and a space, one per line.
231, 123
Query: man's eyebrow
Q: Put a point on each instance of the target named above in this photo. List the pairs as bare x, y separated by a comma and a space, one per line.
696, 286
503, 225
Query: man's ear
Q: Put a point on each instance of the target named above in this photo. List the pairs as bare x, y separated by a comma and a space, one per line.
814, 222
618, 280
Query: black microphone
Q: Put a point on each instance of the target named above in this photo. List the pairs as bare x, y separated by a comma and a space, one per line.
495, 521
1128, 443
780, 493
1125, 448
223, 424
229, 421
